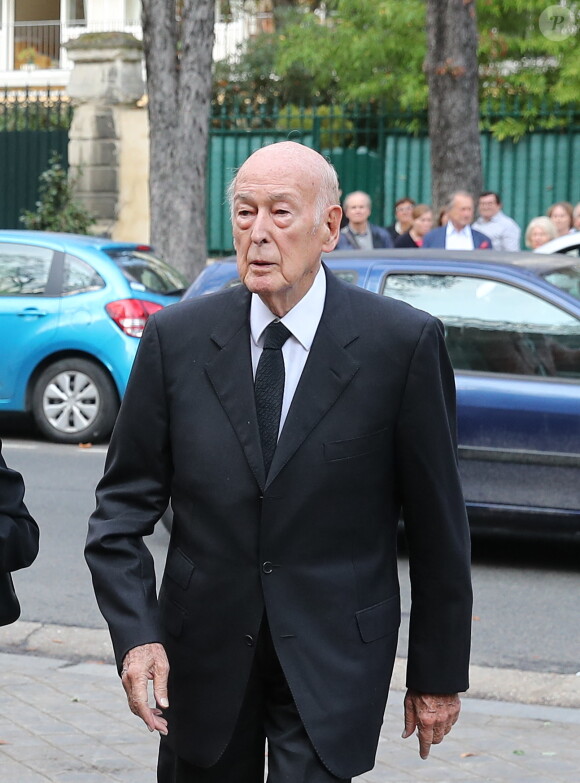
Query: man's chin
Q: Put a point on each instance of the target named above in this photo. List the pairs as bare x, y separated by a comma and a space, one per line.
260, 279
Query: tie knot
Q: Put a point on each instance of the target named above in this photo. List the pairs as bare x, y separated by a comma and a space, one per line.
275, 335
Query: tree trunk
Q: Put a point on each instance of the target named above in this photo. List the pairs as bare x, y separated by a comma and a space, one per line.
178, 58
452, 77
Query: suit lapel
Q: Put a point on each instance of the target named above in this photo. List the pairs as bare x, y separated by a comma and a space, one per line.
230, 373
328, 371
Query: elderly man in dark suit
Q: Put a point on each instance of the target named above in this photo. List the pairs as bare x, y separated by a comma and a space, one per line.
289, 421
18, 538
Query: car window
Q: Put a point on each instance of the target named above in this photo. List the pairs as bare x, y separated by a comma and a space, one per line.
24, 269
566, 279
495, 327
146, 272
79, 277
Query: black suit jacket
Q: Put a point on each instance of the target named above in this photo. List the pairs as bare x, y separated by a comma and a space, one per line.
18, 538
371, 428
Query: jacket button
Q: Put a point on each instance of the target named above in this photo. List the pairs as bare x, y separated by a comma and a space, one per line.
249, 639
267, 567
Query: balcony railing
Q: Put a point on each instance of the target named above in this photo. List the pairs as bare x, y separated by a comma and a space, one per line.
31, 46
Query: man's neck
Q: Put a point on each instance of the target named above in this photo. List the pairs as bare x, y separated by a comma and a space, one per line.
457, 226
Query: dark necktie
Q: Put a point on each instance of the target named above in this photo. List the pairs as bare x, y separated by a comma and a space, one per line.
269, 388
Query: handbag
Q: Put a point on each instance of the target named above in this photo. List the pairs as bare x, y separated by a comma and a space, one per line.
9, 605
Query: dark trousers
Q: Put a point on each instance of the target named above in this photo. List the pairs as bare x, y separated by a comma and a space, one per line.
268, 713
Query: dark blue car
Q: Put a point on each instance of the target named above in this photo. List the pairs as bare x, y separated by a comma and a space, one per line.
512, 324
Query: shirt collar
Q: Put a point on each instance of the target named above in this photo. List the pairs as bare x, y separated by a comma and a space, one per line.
465, 231
302, 320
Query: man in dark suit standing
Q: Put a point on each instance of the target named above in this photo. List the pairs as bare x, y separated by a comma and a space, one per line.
458, 234
289, 420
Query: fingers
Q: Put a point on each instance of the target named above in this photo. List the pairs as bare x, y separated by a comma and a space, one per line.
410, 717
432, 715
141, 664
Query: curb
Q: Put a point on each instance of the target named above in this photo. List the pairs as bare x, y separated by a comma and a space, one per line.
93, 645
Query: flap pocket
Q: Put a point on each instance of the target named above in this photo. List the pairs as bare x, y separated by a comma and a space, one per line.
354, 447
179, 568
379, 620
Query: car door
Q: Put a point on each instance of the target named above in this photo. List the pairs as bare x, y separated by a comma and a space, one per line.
29, 312
516, 357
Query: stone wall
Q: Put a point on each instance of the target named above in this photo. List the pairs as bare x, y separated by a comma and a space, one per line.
108, 141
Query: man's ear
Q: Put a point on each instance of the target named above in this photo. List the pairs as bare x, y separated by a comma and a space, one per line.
331, 228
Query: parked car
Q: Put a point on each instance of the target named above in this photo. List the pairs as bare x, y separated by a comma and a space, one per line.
569, 244
512, 323
72, 309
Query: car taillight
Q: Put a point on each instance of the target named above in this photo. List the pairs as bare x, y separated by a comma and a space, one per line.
131, 315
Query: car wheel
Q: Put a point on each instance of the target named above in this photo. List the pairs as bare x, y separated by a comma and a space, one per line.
75, 401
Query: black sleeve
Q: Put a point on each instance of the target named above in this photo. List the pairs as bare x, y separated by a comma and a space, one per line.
131, 497
435, 520
18, 530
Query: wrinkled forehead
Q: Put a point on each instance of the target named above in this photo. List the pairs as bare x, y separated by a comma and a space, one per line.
278, 165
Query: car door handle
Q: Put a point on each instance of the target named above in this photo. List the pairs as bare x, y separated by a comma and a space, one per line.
33, 311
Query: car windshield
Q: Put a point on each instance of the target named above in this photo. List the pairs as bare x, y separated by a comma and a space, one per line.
566, 279
145, 272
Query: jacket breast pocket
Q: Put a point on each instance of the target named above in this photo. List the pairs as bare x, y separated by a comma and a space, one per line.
355, 447
379, 620
179, 568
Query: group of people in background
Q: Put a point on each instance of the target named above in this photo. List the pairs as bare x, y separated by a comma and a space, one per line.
455, 227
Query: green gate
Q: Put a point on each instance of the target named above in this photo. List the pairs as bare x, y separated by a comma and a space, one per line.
32, 127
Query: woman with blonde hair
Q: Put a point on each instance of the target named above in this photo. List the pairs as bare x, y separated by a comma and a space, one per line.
539, 231
422, 223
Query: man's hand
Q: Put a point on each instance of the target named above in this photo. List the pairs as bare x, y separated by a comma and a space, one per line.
432, 714
141, 664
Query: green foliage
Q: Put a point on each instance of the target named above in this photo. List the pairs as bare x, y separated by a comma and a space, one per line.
56, 209
375, 50
34, 114
330, 128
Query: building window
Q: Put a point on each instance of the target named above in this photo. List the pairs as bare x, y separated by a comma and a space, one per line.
77, 13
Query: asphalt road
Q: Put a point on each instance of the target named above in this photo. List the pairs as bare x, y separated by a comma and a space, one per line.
526, 591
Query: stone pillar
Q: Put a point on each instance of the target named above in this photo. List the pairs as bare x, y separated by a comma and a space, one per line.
108, 142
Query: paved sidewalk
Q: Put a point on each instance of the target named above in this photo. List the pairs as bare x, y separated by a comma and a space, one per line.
68, 722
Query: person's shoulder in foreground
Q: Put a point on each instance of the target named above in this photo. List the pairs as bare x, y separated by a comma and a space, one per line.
18, 530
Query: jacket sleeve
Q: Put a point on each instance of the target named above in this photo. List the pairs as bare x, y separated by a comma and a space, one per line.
435, 520
18, 530
131, 497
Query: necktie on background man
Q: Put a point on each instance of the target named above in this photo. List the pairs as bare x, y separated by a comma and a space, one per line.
269, 388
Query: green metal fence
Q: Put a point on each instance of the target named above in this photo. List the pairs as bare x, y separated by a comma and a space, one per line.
378, 149
32, 126
386, 153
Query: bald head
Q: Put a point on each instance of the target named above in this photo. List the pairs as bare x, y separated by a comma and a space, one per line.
318, 174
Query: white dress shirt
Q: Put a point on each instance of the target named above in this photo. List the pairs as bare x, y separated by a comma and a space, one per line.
302, 322
458, 240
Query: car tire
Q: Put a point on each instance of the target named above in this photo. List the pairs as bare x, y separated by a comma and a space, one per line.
75, 401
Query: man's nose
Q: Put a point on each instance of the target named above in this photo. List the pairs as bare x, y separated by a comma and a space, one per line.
261, 228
